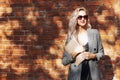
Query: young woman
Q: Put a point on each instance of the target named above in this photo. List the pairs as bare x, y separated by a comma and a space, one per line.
80, 29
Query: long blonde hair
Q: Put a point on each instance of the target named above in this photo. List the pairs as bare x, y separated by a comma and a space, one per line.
73, 21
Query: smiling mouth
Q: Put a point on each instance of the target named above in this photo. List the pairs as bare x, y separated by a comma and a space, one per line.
82, 22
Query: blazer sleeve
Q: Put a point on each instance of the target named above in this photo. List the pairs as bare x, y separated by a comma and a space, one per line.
100, 47
67, 58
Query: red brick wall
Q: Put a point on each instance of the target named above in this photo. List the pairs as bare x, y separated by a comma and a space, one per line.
33, 32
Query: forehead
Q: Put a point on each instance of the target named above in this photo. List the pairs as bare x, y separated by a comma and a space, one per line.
82, 12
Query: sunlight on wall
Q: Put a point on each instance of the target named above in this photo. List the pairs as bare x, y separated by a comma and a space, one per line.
31, 15
116, 7
32, 42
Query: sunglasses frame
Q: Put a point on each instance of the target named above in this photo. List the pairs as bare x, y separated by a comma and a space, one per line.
85, 17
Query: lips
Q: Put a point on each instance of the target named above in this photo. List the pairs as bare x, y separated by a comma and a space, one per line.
82, 22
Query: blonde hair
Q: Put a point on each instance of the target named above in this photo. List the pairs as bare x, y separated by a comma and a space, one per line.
73, 21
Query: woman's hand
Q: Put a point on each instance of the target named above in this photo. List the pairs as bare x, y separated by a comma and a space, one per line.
79, 58
89, 55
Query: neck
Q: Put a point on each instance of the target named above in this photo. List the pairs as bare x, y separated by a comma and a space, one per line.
82, 29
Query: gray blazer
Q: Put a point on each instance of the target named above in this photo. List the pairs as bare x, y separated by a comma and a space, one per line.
95, 46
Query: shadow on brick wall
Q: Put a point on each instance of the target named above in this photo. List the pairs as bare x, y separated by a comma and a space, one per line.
32, 33
30, 49
106, 68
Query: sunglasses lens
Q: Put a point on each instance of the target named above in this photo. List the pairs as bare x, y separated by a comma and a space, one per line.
85, 17
80, 17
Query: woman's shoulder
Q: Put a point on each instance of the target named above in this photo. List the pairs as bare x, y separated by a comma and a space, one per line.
94, 30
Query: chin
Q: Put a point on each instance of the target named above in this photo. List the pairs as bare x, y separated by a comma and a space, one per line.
83, 24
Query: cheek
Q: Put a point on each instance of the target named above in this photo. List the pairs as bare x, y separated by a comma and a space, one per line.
79, 22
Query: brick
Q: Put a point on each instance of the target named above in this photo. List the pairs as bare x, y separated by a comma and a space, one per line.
21, 1
94, 2
32, 48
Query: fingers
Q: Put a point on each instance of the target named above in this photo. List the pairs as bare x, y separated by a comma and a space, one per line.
86, 55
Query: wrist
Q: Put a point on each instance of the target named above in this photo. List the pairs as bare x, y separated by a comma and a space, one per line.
93, 55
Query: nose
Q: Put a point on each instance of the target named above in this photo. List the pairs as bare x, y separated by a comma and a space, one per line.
83, 18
